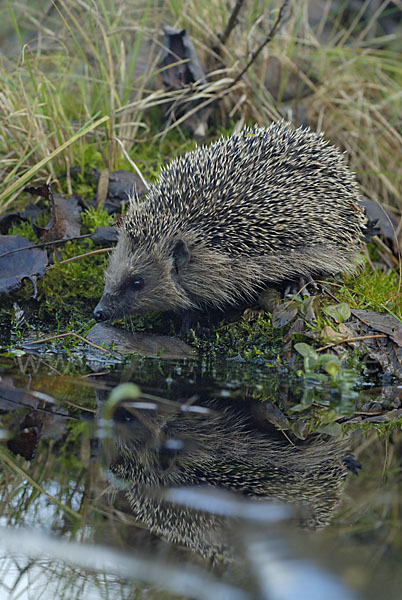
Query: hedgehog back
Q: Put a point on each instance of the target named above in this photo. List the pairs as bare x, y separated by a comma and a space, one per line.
257, 192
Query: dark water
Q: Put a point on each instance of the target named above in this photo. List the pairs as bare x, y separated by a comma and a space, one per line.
189, 488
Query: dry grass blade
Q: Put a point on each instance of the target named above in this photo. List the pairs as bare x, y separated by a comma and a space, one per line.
7, 459
109, 64
64, 335
21, 181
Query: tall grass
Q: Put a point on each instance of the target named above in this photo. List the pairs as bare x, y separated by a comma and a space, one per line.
86, 60
346, 83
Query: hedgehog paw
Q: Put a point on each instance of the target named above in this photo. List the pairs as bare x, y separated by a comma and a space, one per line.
301, 287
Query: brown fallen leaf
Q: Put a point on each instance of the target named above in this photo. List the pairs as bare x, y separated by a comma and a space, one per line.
65, 215
283, 314
380, 347
25, 441
385, 323
328, 333
181, 68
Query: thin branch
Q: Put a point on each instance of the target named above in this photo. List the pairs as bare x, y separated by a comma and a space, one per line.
387, 250
46, 244
62, 335
73, 258
352, 339
232, 22
269, 37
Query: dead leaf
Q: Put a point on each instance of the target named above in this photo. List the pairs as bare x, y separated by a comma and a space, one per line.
330, 334
105, 235
397, 336
65, 215
177, 47
385, 323
44, 191
384, 220
124, 184
18, 260
275, 416
345, 330
298, 326
384, 351
25, 442
283, 314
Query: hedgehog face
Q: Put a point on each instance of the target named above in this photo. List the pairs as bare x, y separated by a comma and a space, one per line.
140, 279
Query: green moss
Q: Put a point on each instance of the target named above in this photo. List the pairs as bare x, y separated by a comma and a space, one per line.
150, 158
93, 218
375, 291
25, 230
247, 340
74, 286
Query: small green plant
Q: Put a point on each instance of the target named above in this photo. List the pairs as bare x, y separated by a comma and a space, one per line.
336, 376
339, 312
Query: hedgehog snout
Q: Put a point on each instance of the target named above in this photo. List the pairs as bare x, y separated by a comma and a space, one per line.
101, 311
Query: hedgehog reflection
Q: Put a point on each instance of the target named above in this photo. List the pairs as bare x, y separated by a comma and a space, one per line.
154, 450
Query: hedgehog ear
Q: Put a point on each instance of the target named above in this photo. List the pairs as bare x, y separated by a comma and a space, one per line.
180, 255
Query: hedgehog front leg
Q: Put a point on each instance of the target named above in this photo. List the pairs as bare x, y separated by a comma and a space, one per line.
269, 299
300, 287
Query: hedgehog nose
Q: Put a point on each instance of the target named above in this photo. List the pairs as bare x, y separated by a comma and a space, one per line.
99, 313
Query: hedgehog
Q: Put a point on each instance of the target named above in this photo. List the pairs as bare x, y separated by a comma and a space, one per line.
225, 449
262, 208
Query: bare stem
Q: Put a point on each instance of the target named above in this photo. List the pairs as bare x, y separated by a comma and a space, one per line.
269, 37
232, 21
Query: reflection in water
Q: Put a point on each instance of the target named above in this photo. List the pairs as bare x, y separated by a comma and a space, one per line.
169, 445
56, 570
176, 463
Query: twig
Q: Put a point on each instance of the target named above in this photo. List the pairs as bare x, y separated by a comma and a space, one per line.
75, 405
288, 438
93, 374
386, 260
73, 258
46, 244
352, 339
387, 250
62, 335
232, 22
264, 43
328, 292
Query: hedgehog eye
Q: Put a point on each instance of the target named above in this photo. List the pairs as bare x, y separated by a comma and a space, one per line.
136, 282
